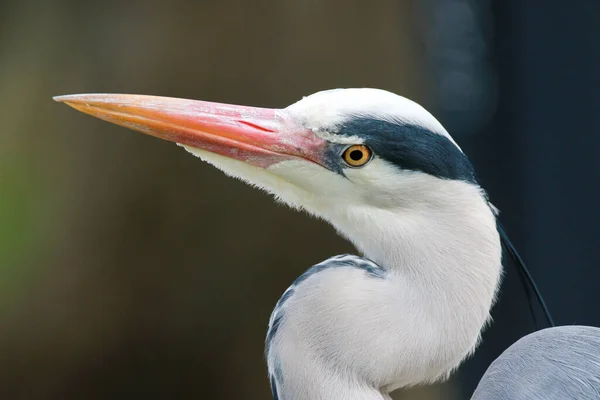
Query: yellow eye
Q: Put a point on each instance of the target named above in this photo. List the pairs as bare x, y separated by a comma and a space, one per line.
357, 155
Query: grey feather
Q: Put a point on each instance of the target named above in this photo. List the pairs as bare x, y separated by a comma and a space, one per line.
551, 364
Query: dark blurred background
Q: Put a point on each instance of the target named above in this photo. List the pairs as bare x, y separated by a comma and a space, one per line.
130, 269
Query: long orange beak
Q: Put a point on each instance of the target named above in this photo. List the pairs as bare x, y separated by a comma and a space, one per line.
258, 136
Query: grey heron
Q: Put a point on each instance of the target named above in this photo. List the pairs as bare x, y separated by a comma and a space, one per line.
388, 176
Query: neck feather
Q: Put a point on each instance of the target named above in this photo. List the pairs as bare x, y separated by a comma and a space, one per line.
447, 244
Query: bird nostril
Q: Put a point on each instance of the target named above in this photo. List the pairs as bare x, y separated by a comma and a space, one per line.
250, 124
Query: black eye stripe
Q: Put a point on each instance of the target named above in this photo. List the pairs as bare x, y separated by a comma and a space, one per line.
411, 147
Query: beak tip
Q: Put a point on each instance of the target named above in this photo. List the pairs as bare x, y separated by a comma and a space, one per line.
68, 99
80, 98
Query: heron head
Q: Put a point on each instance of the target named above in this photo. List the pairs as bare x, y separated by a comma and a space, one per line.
334, 149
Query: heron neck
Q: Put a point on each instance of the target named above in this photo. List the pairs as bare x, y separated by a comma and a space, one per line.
446, 246
342, 333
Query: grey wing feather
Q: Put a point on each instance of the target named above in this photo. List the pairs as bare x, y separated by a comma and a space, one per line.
557, 363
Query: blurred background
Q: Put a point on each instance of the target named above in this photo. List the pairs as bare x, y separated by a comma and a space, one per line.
130, 269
